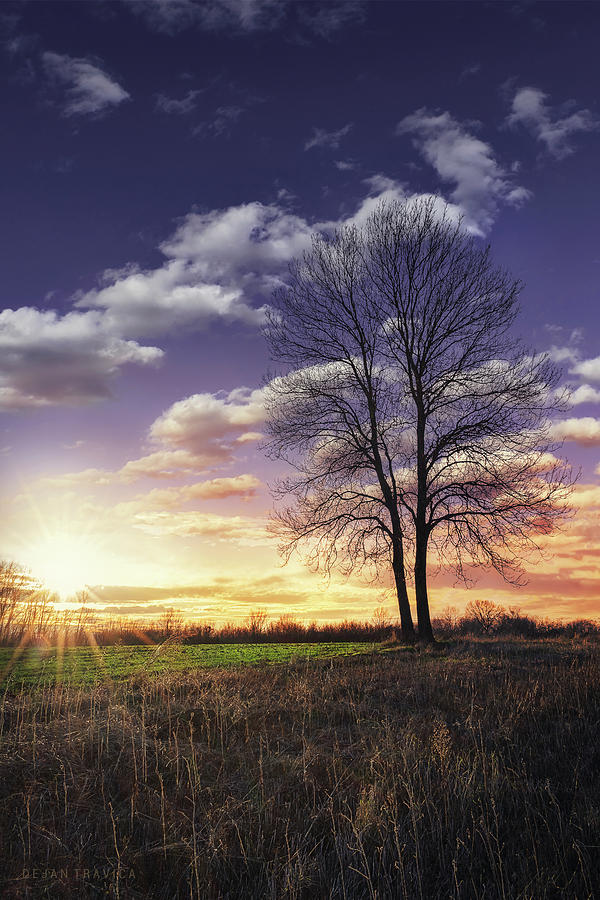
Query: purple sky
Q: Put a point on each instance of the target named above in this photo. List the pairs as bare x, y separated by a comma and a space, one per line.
162, 161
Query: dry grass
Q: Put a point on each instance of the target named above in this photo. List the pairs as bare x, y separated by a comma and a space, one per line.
467, 771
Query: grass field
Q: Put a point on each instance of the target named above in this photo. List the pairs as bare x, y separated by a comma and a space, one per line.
87, 666
469, 770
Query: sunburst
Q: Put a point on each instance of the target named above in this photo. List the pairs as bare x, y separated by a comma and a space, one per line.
65, 563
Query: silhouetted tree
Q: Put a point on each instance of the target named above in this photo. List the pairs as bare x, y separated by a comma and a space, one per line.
14, 586
485, 612
411, 416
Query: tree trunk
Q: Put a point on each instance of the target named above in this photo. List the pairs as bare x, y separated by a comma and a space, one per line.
406, 622
423, 618
421, 532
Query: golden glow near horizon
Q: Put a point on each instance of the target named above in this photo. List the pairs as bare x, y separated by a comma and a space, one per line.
65, 563
215, 562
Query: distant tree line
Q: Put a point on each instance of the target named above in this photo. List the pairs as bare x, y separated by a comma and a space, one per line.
481, 618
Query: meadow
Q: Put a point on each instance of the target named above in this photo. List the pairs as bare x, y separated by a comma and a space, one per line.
36, 667
470, 769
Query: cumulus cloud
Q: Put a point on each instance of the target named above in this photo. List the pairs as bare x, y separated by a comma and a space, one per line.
466, 161
210, 422
585, 393
166, 299
584, 431
219, 265
563, 354
48, 359
381, 189
530, 109
241, 242
587, 368
386, 190
194, 435
329, 139
177, 106
88, 90
214, 263
587, 496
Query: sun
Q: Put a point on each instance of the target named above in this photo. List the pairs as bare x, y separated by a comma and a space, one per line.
65, 563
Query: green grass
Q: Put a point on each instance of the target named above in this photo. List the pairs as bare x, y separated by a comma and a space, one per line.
84, 666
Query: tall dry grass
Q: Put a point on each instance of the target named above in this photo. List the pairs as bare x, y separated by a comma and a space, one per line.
464, 772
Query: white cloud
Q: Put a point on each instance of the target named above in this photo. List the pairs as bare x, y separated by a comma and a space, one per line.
584, 431
587, 368
464, 160
563, 354
230, 245
174, 106
210, 422
89, 90
381, 190
48, 359
166, 299
587, 496
530, 109
215, 263
330, 139
387, 190
193, 436
223, 264
585, 393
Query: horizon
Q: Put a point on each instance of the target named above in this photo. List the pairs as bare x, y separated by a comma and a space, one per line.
149, 226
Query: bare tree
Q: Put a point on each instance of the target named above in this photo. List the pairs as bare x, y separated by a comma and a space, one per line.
13, 586
256, 621
35, 612
485, 612
411, 415
380, 620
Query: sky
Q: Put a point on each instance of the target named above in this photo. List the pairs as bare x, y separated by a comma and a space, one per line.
162, 161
